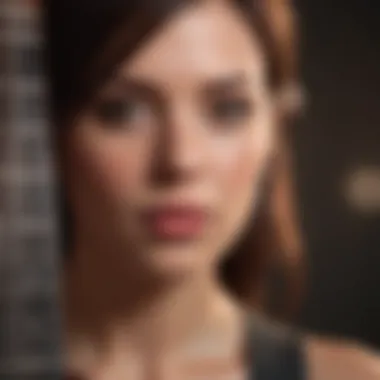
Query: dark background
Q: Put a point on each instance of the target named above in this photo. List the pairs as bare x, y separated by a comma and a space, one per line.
341, 129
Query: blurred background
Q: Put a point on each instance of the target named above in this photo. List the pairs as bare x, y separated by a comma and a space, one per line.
337, 147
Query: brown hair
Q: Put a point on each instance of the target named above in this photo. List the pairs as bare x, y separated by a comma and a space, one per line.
88, 38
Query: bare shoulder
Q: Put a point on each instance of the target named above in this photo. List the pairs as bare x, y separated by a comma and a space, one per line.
335, 360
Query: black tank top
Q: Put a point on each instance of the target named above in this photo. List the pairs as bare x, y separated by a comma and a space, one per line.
277, 352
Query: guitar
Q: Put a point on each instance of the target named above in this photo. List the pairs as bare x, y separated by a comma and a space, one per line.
30, 321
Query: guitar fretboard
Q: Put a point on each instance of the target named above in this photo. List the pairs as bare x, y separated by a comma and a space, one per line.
29, 244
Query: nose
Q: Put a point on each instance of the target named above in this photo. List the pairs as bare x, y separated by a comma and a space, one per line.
181, 152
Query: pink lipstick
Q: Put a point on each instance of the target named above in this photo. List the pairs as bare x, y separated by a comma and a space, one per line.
176, 222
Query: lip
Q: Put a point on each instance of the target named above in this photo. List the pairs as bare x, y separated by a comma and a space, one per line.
176, 222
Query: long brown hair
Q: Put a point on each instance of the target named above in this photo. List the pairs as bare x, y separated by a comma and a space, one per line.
87, 39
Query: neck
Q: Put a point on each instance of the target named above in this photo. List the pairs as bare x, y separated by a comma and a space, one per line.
107, 307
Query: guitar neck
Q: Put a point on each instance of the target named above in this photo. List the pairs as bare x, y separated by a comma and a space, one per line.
29, 241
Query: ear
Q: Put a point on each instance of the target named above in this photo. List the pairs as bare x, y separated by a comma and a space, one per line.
291, 99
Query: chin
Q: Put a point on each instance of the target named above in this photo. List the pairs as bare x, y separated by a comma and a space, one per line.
175, 260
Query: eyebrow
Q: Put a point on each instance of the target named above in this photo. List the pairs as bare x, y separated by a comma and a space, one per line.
213, 86
129, 84
227, 82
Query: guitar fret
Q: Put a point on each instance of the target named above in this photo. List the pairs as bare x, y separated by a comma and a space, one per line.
29, 314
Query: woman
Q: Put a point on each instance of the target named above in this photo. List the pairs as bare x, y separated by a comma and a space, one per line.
169, 126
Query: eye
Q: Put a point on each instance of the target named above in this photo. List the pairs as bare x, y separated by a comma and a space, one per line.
121, 111
231, 110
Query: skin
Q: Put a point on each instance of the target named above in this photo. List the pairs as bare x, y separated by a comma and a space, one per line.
198, 124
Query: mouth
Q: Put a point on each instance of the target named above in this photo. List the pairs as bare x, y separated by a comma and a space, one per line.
176, 223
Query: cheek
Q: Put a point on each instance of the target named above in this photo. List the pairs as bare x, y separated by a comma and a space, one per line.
242, 167
106, 168
239, 173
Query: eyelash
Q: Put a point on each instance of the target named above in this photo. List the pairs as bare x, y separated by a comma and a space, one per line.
119, 111
225, 112
232, 110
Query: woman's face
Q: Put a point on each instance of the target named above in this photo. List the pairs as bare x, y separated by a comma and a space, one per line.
164, 168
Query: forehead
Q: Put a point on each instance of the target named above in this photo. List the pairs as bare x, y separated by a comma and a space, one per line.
200, 42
